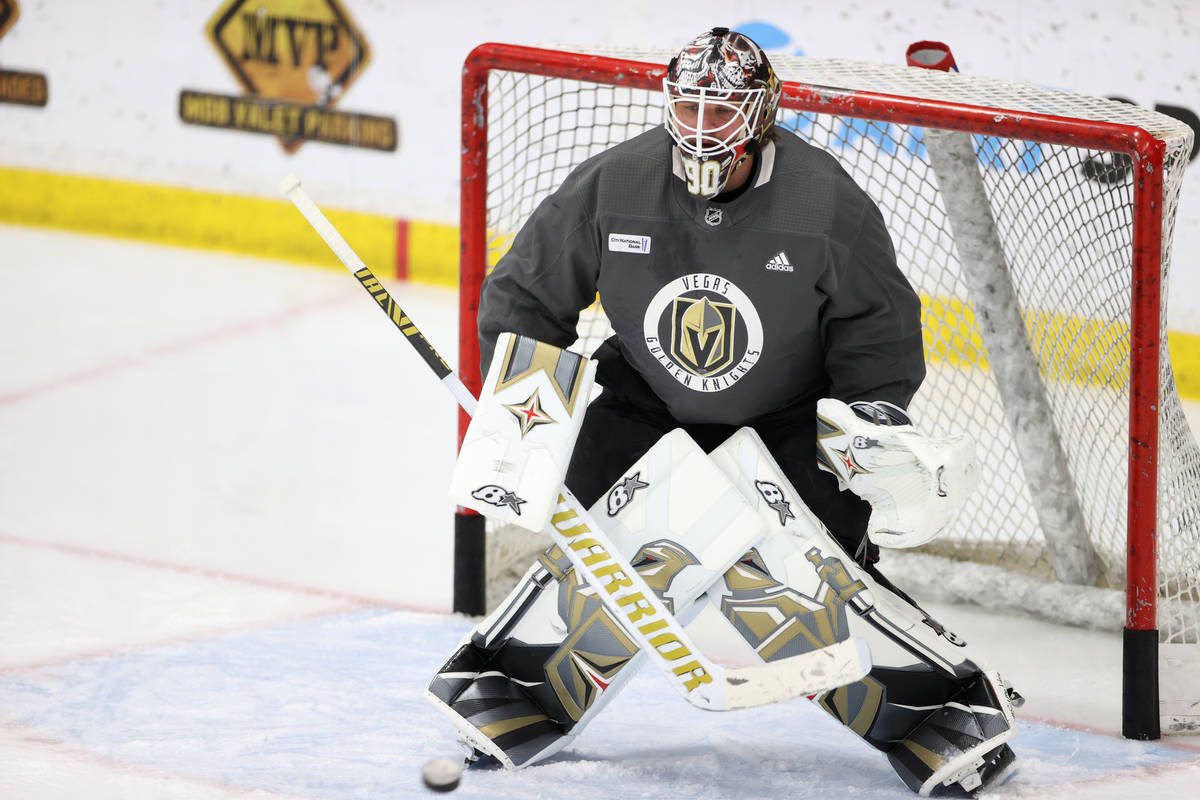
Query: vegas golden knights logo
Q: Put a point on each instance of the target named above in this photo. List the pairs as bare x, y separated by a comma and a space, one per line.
597, 648
702, 334
595, 651
704, 331
777, 620
659, 562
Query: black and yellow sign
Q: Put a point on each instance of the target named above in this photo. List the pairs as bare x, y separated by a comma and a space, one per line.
23, 88
295, 59
8, 15
293, 123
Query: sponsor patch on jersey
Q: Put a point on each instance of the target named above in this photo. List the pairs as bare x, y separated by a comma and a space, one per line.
704, 331
628, 243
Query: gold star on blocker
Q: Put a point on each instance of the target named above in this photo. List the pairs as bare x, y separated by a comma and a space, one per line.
529, 414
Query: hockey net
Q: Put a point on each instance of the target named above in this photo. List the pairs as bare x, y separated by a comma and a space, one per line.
1081, 193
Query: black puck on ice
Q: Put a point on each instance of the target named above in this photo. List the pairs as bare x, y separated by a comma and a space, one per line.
441, 774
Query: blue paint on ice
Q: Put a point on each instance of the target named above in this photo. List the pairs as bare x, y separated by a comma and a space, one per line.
332, 708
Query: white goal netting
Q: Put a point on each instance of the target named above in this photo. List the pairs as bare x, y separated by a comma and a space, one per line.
1064, 217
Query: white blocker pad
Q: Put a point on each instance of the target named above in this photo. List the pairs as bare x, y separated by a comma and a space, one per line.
791, 592
519, 442
915, 483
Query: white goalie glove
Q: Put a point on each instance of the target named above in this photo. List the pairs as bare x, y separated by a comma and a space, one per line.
914, 482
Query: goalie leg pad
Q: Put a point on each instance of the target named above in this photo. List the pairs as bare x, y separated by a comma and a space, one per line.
799, 559
529, 678
942, 720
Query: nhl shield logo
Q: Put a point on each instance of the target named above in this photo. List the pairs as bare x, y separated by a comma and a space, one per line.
713, 216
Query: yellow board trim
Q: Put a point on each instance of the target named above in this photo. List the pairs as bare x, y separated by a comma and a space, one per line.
1069, 349
1185, 362
171, 215
1084, 351
433, 253
269, 228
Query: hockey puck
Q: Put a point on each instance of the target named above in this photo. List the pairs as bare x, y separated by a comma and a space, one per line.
441, 774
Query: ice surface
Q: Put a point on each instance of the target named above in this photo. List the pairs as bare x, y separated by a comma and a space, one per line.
225, 567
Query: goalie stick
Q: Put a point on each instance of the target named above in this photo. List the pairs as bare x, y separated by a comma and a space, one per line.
702, 682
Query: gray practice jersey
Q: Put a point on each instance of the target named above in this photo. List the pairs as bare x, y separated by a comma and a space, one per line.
728, 311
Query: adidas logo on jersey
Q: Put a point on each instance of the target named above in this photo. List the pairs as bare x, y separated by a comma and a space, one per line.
779, 262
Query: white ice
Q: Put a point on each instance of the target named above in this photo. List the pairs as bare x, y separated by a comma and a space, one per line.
225, 566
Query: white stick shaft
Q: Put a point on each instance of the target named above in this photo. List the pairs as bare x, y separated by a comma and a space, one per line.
292, 190
290, 187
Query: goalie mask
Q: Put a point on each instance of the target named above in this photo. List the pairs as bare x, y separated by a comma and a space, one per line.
721, 96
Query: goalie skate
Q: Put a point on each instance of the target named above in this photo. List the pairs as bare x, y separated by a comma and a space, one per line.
961, 748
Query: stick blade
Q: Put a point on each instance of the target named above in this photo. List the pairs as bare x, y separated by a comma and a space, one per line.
798, 676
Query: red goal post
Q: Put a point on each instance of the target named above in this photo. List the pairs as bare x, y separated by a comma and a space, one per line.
1150, 145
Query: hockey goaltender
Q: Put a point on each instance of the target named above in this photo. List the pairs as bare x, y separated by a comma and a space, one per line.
749, 447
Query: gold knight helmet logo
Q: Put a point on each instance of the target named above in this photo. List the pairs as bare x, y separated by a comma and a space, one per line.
703, 334
704, 331
659, 563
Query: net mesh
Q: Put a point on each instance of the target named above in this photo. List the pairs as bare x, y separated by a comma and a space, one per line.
1064, 218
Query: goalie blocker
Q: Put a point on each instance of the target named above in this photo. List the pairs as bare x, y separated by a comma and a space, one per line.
526, 681
517, 447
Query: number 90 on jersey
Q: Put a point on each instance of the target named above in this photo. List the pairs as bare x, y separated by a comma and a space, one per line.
702, 176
